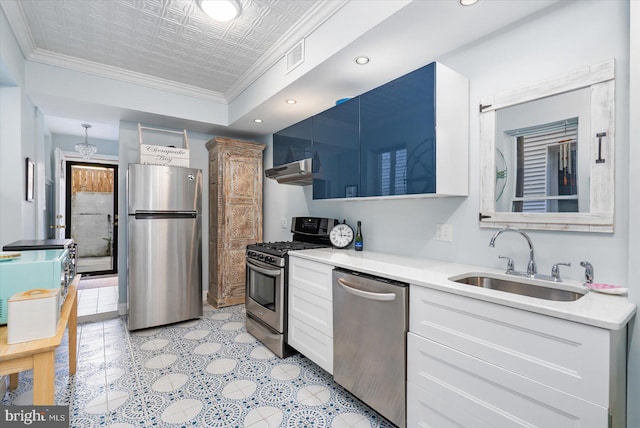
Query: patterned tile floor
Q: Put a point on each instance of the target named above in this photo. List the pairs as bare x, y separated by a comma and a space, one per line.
207, 372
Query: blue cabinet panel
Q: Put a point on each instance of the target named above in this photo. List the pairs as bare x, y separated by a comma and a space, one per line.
398, 136
383, 142
293, 143
336, 149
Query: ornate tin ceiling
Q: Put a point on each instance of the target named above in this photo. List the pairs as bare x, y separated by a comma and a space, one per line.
167, 39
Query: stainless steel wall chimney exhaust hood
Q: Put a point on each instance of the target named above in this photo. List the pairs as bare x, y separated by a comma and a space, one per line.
298, 173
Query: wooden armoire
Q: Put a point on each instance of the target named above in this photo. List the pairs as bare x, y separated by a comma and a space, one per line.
235, 215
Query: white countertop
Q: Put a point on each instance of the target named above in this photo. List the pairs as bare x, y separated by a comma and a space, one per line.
600, 310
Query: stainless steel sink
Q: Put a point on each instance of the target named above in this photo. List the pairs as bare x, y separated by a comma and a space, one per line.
522, 288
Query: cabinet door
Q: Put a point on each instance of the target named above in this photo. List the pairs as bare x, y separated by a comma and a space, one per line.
310, 328
311, 343
311, 309
242, 187
336, 152
398, 136
447, 388
292, 143
311, 276
568, 356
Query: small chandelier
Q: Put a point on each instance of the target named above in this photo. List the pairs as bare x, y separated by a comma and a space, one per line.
86, 149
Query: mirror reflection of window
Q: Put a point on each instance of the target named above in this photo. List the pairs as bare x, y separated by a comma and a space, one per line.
393, 167
546, 167
578, 187
546, 122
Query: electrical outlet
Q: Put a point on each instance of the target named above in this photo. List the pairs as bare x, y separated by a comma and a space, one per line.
444, 232
283, 223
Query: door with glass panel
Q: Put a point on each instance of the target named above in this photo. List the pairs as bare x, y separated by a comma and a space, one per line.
92, 215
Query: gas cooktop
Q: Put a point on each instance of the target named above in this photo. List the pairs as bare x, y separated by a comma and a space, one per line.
281, 248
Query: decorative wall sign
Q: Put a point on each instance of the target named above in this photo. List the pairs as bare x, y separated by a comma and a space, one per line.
161, 155
164, 155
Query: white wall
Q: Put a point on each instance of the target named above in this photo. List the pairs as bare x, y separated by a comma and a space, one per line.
11, 169
96, 93
633, 419
41, 159
11, 59
68, 143
19, 218
20, 137
29, 150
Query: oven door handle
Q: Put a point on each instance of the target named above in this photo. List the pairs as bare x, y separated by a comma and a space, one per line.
259, 268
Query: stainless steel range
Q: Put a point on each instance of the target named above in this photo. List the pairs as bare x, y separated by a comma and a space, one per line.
267, 279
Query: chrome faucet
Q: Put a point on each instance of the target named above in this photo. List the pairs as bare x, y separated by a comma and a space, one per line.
555, 271
588, 271
531, 266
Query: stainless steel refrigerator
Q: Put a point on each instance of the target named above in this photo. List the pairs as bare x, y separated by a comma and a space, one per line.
164, 276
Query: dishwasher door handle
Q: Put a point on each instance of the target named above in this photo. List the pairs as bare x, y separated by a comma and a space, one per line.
384, 297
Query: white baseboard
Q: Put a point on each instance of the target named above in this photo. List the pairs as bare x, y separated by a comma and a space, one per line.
122, 309
103, 316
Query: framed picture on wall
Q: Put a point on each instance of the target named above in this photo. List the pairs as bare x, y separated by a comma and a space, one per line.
30, 179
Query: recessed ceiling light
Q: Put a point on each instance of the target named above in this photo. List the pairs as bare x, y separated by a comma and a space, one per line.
220, 10
362, 60
291, 101
467, 2
257, 120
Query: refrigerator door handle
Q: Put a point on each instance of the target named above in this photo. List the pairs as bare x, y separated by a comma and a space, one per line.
166, 214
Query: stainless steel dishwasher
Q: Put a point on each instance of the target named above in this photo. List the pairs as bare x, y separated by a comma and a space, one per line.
370, 320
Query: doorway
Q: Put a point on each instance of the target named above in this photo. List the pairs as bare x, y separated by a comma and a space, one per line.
91, 218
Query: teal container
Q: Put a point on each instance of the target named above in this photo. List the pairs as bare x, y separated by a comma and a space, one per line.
33, 269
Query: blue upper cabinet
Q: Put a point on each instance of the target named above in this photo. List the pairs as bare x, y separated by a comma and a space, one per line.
293, 143
398, 136
336, 148
407, 137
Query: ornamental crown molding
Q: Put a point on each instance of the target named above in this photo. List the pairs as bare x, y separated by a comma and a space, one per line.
76, 64
18, 22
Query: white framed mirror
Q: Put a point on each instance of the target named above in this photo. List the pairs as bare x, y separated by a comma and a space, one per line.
547, 154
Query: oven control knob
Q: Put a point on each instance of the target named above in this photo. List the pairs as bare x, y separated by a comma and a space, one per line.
269, 259
260, 256
251, 254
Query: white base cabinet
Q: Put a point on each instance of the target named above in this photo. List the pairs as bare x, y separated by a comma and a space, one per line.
478, 364
310, 305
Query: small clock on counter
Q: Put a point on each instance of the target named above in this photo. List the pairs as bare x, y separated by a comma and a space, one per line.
341, 235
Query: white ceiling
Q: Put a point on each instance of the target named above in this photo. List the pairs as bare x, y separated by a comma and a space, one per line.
173, 44
169, 39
